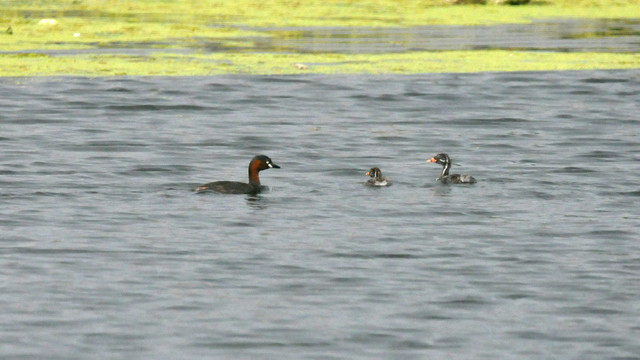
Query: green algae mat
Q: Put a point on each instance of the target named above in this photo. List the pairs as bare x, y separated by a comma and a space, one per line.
189, 37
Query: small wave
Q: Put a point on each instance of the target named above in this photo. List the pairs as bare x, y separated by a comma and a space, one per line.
464, 301
600, 154
109, 146
611, 233
145, 169
630, 193
36, 121
486, 121
576, 170
383, 97
604, 80
119, 89
155, 107
52, 193
391, 138
283, 79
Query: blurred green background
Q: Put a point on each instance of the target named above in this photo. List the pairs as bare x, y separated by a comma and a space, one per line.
176, 37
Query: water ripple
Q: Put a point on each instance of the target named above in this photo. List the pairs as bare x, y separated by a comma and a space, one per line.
100, 220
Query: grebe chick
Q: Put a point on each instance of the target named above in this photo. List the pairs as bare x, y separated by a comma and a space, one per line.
445, 178
376, 178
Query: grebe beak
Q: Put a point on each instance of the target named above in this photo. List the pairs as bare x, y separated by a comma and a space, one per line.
432, 160
272, 165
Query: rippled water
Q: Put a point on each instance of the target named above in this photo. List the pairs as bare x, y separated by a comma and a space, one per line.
604, 35
580, 35
106, 252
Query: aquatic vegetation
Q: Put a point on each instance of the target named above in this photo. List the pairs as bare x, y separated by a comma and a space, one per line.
72, 33
182, 37
283, 13
171, 64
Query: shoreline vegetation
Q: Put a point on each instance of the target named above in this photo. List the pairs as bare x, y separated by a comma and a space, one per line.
189, 37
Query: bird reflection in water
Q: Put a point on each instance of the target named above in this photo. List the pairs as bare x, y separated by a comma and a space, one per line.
257, 202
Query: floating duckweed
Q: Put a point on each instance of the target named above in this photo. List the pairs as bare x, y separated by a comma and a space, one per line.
165, 64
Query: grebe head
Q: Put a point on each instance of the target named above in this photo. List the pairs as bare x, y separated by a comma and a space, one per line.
262, 162
374, 172
442, 159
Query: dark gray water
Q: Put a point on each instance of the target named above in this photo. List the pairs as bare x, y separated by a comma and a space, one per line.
106, 252
600, 35
580, 35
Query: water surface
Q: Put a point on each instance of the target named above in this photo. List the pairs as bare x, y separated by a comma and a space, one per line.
596, 35
559, 35
107, 252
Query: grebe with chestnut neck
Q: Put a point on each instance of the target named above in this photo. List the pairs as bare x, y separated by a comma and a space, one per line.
257, 164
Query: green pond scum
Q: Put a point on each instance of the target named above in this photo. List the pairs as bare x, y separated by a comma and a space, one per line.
207, 37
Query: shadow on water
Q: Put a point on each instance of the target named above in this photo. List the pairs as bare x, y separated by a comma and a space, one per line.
256, 202
441, 190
